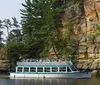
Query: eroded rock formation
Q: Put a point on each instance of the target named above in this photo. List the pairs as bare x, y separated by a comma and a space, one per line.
88, 21
4, 62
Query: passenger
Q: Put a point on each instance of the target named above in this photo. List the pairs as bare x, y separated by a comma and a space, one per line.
63, 60
23, 60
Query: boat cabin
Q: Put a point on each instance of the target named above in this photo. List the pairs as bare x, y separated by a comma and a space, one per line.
46, 67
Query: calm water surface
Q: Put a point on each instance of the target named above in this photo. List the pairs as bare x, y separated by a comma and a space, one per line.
4, 80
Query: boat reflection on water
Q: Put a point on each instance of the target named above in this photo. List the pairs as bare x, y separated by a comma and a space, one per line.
42, 81
49, 81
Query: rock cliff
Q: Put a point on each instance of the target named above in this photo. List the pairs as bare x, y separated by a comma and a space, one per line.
4, 62
4, 65
88, 20
89, 23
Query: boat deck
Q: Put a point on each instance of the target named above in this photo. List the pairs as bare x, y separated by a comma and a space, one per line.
29, 62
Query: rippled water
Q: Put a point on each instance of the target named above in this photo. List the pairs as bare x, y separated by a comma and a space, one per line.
4, 80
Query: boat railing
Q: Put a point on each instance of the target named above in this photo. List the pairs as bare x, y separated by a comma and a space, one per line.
43, 62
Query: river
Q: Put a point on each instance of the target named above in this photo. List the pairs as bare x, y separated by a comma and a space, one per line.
5, 80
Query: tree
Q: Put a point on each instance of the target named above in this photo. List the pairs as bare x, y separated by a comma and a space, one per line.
15, 35
1, 33
40, 23
15, 49
14, 44
7, 24
15, 22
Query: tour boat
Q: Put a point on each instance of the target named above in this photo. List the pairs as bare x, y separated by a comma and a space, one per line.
32, 68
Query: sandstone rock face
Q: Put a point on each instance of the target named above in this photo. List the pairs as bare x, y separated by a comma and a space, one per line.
89, 64
4, 62
92, 7
89, 46
89, 37
3, 53
4, 65
92, 14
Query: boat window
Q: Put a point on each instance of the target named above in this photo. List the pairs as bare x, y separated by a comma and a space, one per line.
19, 69
26, 69
68, 69
62, 69
32, 69
54, 69
40, 69
46, 69
73, 68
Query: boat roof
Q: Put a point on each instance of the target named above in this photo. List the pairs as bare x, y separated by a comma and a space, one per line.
40, 62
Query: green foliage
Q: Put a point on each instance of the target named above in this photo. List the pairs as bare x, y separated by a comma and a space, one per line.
98, 28
15, 22
67, 41
44, 51
14, 44
7, 24
41, 26
1, 45
1, 33
15, 35
15, 49
41, 30
40, 22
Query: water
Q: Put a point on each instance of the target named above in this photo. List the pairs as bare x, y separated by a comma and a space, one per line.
5, 80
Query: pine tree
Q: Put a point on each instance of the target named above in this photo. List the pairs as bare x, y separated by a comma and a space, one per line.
41, 20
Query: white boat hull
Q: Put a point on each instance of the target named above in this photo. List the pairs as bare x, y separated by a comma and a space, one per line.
48, 75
